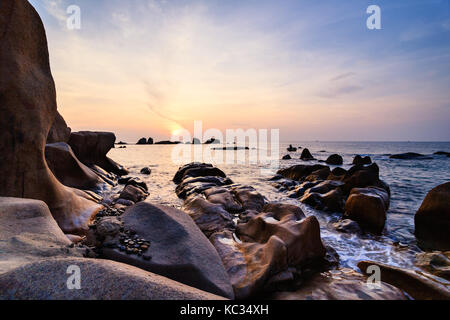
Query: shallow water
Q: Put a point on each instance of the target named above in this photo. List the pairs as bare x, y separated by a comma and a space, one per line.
409, 180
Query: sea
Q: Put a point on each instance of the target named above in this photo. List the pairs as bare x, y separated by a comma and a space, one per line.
409, 181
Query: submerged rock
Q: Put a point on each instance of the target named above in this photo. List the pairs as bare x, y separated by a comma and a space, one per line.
432, 220
410, 156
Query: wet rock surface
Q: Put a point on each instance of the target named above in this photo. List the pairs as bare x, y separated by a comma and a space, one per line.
432, 220
357, 193
263, 246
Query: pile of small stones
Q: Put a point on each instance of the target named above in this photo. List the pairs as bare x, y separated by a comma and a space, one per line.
131, 243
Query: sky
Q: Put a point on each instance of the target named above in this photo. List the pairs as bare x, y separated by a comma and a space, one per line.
312, 69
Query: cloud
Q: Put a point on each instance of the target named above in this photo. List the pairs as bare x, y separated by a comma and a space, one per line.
343, 76
340, 91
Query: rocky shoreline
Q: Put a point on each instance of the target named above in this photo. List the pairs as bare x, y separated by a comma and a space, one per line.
226, 242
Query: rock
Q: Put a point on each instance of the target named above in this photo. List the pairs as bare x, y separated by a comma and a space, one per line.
335, 159
142, 141
362, 177
178, 249
300, 235
224, 197
209, 217
91, 148
108, 227
101, 280
250, 266
333, 201
28, 110
347, 226
133, 193
59, 131
212, 141
291, 149
249, 198
337, 174
166, 142
203, 172
368, 207
68, 169
321, 174
146, 171
436, 263
412, 282
410, 156
198, 185
196, 141
137, 183
179, 175
342, 284
442, 153
432, 220
287, 157
150, 141
300, 172
306, 155
358, 160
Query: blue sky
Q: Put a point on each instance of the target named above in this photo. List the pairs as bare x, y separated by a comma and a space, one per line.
309, 68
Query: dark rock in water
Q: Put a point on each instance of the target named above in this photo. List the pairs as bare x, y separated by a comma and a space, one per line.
413, 283
199, 184
442, 153
287, 157
203, 171
358, 160
300, 172
335, 159
368, 207
133, 193
178, 249
347, 226
363, 176
59, 131
28, 111
137, 183
91, 148
150, 141
212, 141
306, 155
224, 197
337, 174
320, 174
410, 156
432, 220
250, 266
121, 143
291, 149
341, 284
182, 170
166, 142
146, 171
68, 169
196, 141
232, 148
142, 141
333, 201
124, 180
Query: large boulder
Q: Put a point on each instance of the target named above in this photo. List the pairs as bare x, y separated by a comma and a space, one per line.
59, 131
178, 249
34, 247
335, 159
410, 156
342, 284
359, 160
368, 207
68, 169
28, 110
415, 284
306, 155
432, 220
91, 148
250, 266
300, 172
179, 175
